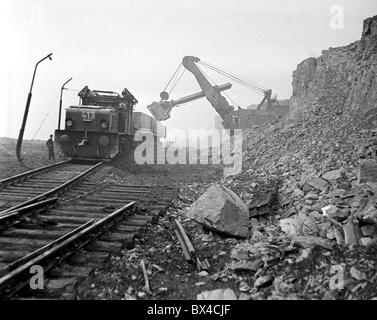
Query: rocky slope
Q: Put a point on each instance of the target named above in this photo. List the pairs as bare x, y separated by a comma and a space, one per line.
341, 77
320, 167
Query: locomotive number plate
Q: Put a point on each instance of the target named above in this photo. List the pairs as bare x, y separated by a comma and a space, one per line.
88, 115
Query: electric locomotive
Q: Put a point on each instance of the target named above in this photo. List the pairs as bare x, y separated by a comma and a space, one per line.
102, 125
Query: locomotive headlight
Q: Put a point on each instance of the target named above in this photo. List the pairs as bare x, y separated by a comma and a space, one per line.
69, 123
104, 124
64, 139
104, 141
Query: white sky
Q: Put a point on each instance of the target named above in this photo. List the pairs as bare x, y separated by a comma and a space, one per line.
138, 44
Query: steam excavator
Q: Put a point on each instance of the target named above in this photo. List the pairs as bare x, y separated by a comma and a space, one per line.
268, 109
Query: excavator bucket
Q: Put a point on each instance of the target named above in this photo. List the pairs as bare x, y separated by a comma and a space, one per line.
160, 110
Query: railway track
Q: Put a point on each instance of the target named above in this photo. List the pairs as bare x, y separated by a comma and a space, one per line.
35, 185
72, 235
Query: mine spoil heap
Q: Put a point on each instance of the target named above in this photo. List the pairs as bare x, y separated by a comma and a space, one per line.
333, 123
318, 172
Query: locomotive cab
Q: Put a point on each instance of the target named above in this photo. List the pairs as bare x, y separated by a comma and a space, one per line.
99, 127
102, 125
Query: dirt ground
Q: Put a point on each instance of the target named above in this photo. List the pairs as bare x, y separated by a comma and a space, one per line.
34, 154
121, 278
171, 276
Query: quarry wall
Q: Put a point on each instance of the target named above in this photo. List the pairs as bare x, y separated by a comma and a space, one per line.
343, 78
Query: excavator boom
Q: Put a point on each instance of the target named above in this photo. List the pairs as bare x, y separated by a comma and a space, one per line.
212, 93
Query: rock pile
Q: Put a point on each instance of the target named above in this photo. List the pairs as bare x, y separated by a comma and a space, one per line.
310, 181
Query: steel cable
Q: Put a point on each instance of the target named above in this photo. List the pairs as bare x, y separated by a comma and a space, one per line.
214, 83
175, 73
247, 83
178, 78
235, 75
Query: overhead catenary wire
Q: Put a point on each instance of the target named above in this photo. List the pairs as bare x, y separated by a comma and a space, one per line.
45, 117
71, 89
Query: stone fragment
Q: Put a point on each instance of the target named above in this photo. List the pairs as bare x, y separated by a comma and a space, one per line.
330, 209
304, 255
308, 224
257, 236
54, 285
334, 212
244, 287
311, 196
246, 265
161, 290
290, 212
264, 281
298, 193
350, 236
356, 274
288, 225
244, 296
334, 175
311, 241
365, 241
369, 230
338, 236
367, 172
369, 213
203, 274
317, 183
200, 283
261, 204
220, 209
219, 294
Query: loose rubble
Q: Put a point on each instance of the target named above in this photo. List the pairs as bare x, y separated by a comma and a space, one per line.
302, 213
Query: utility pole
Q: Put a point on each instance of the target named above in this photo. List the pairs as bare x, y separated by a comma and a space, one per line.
21, 135
61, 101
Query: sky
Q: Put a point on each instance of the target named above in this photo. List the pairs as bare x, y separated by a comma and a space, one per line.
138, 44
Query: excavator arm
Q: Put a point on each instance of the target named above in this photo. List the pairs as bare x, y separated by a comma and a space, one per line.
212, 93
161, 110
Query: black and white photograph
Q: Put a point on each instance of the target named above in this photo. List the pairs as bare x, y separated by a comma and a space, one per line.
188, 158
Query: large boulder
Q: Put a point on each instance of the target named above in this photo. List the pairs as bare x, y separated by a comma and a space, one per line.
220, 209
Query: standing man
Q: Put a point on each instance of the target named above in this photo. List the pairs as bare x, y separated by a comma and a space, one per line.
50, 146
